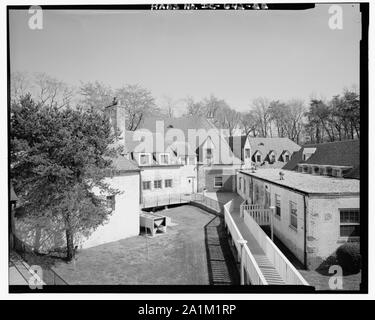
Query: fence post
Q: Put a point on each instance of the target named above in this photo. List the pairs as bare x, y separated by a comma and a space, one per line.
272, 208
242, 242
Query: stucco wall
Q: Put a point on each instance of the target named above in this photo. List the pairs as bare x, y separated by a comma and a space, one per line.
324, 226
323, 219
292, 238
124, 221
180, 176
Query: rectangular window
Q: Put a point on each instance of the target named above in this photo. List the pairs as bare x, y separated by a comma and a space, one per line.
247, 153
146, 185
144, 159
157, 184
240, 183
168, 183
349, 223
258, 158
208, 153
293, 214
286, 157
111, 202
278, 206
218, 183
164, 158
273, 158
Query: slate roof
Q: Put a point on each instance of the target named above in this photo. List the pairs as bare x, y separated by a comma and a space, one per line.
202, 127
123, 164
338, 153
307, 183
278, 145
237, 143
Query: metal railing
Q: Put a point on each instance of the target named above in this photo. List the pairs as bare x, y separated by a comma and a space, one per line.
282, 265
207, 202
247, 260
50, 277
164, 200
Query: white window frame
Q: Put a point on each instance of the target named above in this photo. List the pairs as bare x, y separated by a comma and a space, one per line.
216, 185
341, 210
165, 183
161, 156
161, 184
111, 202
147, 181
295, 215
277, 205
148, 156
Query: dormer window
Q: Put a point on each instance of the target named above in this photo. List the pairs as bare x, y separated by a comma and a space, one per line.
258, 158
286, 157
164, 158
247, 153
144, 159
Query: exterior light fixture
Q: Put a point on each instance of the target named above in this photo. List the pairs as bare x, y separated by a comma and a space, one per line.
256, 6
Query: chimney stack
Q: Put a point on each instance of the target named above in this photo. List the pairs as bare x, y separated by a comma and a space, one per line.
117, 118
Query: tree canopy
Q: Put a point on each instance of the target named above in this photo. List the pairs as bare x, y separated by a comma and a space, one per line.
58, 157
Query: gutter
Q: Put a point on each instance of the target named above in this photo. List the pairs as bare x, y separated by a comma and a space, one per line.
305, 232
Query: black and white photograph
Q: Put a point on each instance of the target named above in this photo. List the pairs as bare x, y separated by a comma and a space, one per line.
187, 148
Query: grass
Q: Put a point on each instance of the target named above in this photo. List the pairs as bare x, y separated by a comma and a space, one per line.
194, 250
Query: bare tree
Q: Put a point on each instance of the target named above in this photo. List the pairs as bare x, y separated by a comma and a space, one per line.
20, 84
138, 103
52, 92
261, 111
95, 95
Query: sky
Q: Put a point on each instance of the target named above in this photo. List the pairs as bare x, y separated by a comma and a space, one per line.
234, 55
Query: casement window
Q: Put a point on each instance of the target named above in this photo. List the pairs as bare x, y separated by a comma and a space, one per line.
218, 182
247, 153
349, 223
157, 184
146, 185
144, 159
293, 214
168, 183
278, 205
164, 158
111, 202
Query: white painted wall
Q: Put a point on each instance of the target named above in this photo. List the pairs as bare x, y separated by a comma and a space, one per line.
124, 221
324, 224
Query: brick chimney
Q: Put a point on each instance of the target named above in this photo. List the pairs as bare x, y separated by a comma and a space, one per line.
117, 117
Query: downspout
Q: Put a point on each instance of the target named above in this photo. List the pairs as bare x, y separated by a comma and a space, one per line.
305, 231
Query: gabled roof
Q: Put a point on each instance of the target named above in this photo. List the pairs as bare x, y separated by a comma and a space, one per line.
122, 164
13, 196
338, 153
237, 144
203, 128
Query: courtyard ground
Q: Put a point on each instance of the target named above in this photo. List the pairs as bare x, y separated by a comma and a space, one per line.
194, 250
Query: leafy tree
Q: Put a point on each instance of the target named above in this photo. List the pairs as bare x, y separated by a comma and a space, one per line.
58, 158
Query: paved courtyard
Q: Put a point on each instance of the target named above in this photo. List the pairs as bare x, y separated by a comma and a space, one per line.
193, 251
